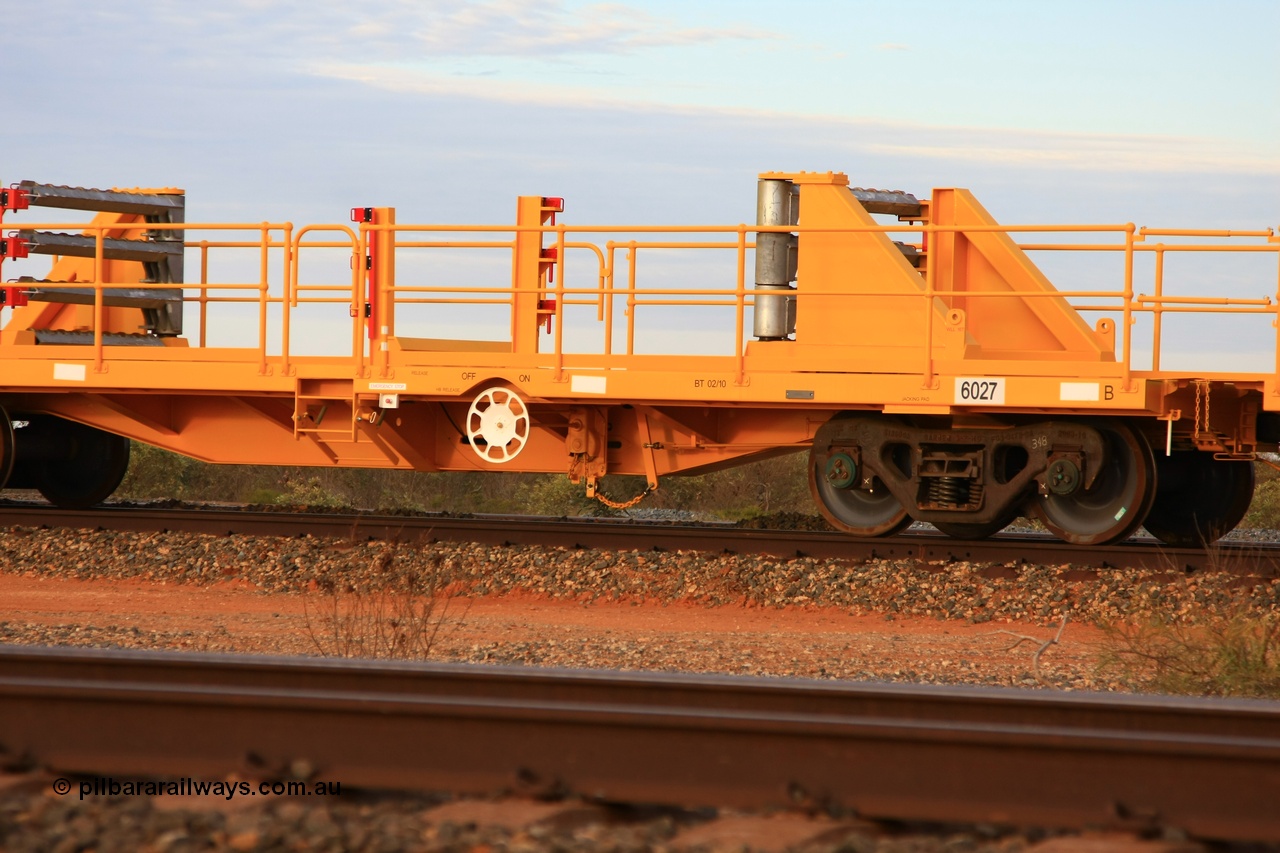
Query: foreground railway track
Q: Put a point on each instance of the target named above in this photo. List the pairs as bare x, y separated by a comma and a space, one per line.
1251, 559
1209, 768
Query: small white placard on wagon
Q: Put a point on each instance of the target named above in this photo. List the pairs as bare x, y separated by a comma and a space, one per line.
1079, 392
588, 384
68, 372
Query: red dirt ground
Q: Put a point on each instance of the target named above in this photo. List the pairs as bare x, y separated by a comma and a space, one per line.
789, 641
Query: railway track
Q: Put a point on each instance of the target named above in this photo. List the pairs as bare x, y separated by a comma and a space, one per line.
1209, 768
1254, 559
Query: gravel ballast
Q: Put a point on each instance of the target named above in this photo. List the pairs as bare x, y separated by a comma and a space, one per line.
960, 590
992, 602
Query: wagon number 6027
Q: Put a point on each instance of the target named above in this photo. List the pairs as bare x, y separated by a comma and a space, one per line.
980, 390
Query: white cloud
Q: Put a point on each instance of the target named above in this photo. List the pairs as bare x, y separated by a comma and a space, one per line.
1007, 147
489, 85
404, 30
1094, 152
515, 28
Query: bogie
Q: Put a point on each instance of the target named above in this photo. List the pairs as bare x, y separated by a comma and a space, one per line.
72, 465
1198, 498
6, 448
1090, 481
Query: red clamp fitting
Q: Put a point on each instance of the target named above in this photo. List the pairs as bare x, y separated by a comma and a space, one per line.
13, 297
14, 198
549, 256
362, 214
552, 205
547, 308
12, 247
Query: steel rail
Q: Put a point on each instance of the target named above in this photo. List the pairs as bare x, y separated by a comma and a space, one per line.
1261, 560
1207, 767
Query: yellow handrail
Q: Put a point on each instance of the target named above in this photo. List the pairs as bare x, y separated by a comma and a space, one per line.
289, 292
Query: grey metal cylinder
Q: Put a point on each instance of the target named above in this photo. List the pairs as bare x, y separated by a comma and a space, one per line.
777, 203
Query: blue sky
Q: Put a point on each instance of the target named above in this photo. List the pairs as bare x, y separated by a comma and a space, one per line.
218, 91
1158, 113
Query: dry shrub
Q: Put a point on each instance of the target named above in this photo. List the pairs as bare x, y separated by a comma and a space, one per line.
398, 614
1236, 653
1221, 640
1264, 511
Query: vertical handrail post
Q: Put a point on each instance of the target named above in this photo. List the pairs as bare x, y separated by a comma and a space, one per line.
559, 315
600, 287
1276, 322
288, 300
1127, 366
631, 297
358, 271
264, 275
99, 266
608, 297
204, 293
1158, 311
930, 288
740, 307
383, 281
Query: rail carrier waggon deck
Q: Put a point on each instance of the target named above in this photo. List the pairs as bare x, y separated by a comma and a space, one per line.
910, 346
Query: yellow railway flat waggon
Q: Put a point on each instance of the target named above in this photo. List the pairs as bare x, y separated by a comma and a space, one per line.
909, 345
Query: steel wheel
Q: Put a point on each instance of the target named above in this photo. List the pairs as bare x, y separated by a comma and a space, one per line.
1117, 502
87, 468
1198, 498
6, 447
855, 510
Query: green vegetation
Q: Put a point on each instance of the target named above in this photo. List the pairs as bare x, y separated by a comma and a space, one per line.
1264, 512
1220, 654
769, 486
1213, 636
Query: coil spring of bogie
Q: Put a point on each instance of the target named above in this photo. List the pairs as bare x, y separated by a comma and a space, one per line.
953, 491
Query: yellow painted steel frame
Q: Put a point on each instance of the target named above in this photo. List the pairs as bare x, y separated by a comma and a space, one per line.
974, 333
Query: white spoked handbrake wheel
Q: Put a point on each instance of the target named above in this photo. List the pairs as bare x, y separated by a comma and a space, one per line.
498, 425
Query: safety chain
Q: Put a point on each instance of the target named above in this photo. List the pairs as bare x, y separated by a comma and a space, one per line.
1201, 386
623, 504
1207, 430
